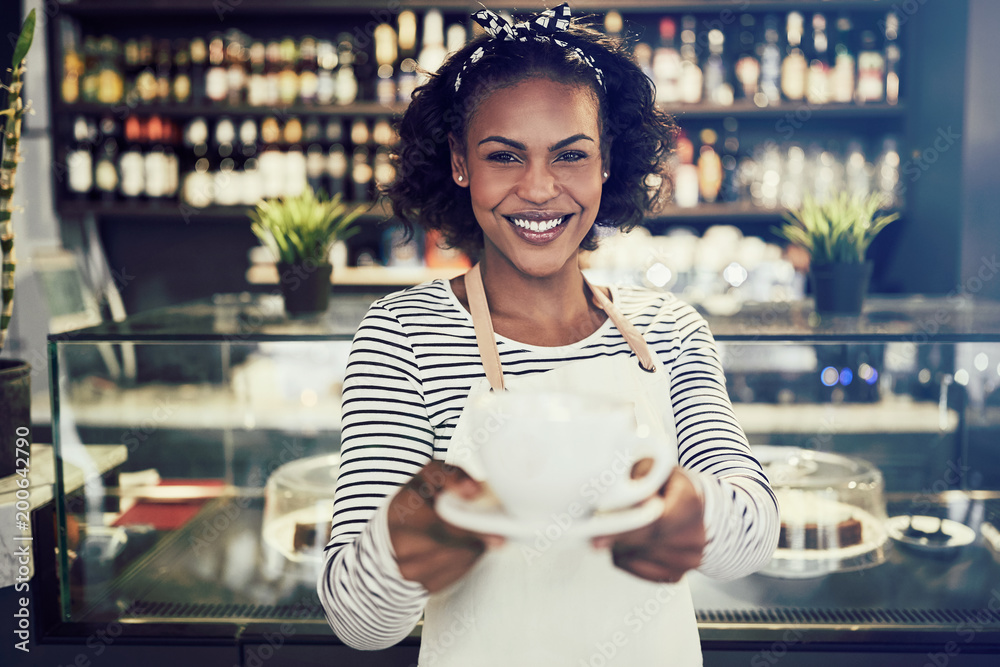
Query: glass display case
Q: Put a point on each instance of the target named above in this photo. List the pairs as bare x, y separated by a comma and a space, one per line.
880, 434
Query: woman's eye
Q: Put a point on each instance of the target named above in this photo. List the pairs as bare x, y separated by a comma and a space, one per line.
502, 157
572, 156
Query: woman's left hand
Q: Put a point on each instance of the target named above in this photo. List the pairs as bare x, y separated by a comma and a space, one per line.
670, 546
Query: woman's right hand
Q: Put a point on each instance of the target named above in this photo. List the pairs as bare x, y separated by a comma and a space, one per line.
429, 551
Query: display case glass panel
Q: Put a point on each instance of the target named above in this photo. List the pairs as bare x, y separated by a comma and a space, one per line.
879, 434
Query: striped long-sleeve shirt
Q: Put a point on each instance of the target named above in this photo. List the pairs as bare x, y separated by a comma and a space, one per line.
412, 364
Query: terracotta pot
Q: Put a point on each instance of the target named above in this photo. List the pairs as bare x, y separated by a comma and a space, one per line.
15, 410
306, 287
840, 289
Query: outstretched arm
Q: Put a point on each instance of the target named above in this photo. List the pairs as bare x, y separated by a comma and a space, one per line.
386, 438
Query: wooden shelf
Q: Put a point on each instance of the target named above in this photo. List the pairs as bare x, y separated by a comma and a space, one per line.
184, 212
721, 213
793, 110
121, 110
888, 416
741, 108
225, 8
360, 276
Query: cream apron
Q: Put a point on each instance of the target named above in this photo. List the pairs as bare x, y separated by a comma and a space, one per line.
561, 602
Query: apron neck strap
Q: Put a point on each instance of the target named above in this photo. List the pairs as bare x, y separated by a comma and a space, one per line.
625, 327
486, 339
483, 323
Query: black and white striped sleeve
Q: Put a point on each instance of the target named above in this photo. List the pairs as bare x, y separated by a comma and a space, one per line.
741, 513
386, 438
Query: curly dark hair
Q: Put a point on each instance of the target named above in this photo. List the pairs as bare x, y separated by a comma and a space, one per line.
636, 137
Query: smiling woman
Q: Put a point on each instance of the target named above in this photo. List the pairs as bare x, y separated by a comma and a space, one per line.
515, 150
633, 136
531, 160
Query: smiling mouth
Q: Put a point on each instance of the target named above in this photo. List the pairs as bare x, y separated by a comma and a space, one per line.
537, 225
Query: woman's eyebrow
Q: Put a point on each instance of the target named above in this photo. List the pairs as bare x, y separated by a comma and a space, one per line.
519, 146
566, 142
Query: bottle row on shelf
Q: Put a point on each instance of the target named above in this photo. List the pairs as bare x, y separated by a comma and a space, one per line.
234, 68
707, 168
765, 61
762, 58
226, 162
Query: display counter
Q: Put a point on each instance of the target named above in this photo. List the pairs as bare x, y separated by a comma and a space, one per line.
197, 541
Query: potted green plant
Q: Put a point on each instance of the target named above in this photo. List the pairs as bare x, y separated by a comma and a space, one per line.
300, 231
15, 375
836, 233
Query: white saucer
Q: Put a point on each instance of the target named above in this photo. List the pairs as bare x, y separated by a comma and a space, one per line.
485, 515
933, 534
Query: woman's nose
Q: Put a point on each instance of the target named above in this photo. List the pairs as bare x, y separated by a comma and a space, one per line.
538, 183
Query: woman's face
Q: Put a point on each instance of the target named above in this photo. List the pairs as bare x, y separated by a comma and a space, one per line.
532, 163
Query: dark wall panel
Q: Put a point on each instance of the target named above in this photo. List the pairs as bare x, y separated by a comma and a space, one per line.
163, 262
981, 175
924, 256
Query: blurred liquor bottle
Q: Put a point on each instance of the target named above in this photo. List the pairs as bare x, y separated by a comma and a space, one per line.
843, 79
406, 77
80, 158
288, 78
892, 58
164, 62
729, 191
216, 77
362, 174
199, 58
181, 88
818, 81
871, 69
308, 71
717, 89
226, 178
692, 79
336, 169
347, 82
386, 55
106, 176
237, 65
110, 81
326, 61
247, 152
131, 163
770, 64
685, 173
73, 67
747, 67
432, 51
795, 67
709, 167
667, 64
257, 80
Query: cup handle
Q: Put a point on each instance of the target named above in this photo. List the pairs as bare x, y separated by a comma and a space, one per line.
628, 491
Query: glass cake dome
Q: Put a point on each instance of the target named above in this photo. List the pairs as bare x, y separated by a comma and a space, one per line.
298, 511
833, 512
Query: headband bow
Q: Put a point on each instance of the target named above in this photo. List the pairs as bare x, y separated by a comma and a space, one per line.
542, 27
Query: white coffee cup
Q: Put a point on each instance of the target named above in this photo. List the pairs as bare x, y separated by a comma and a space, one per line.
552, 453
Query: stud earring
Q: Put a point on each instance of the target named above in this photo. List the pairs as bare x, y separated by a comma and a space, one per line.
461, 178
605, 174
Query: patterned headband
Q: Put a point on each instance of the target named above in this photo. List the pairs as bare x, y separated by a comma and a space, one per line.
541, 27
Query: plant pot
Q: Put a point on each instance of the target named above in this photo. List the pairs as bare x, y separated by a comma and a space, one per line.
840, 289
15, 410
306, 287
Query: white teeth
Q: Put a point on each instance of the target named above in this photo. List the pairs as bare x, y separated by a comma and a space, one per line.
535, 225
